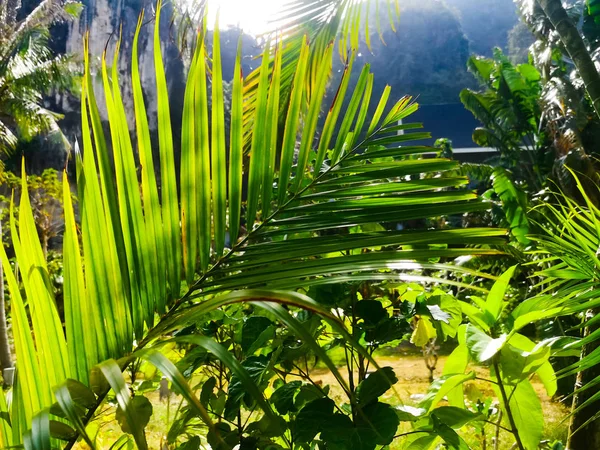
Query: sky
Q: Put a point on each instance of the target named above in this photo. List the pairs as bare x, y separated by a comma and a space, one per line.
251, 15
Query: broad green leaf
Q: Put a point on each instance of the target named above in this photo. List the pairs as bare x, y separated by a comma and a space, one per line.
534, 358
375, 385
495, 299
441, 387
283, 398
455, 417
526, 410
312, 419
252, 331
457, 363
142, 409
481, 346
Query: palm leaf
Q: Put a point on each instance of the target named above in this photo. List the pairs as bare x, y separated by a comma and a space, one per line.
137, 251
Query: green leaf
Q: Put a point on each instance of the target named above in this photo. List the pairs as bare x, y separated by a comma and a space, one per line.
379, 420
375, 425
455, 417
257, 368
66, 403
527, 412
192, 444
170, 202
449, 436
283, 398
495, 299
441, 386
141, 407
61, 430
423, 333
457, 363
375, 385
255, 332
113, 375
207, 390
524, 357
218, 152
81, 394
312, 419
371, 311
423, 442
236, 147
481, 346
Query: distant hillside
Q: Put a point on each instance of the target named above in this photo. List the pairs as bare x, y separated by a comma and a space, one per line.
486, 23
425, 57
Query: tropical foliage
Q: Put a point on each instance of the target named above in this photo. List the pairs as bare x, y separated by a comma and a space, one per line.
29, 70
243, 228
261, 266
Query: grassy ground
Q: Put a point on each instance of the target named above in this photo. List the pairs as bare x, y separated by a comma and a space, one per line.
413, 379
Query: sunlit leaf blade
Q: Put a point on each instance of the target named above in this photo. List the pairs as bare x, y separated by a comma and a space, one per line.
48, 332
218, 155
188, 188
203, 191
36, 391
268, 169
151, 202
292, 121
236, 145
79, 322
258, 150
310, 126
170, 203
120, 147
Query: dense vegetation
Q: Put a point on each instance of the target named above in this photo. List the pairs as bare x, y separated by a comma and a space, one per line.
264, 250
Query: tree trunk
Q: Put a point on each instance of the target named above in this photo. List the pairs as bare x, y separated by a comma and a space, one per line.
588, 437
569, 35
5, 356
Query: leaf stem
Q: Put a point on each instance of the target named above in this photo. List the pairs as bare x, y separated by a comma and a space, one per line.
505, 400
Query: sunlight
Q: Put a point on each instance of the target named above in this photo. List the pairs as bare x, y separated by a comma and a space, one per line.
253, 17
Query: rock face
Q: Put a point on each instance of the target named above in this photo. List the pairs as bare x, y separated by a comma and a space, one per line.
103, 20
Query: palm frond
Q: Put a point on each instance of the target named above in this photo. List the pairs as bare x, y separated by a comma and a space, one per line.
306, 222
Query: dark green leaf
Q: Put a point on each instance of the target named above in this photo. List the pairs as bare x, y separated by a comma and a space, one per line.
141, 407
455, 417
283, 397
375, 385
371, 311
312, 418
255, 331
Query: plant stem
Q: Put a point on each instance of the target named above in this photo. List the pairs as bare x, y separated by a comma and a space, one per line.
505, 400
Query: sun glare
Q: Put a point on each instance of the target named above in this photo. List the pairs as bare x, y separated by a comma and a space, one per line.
252, 16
